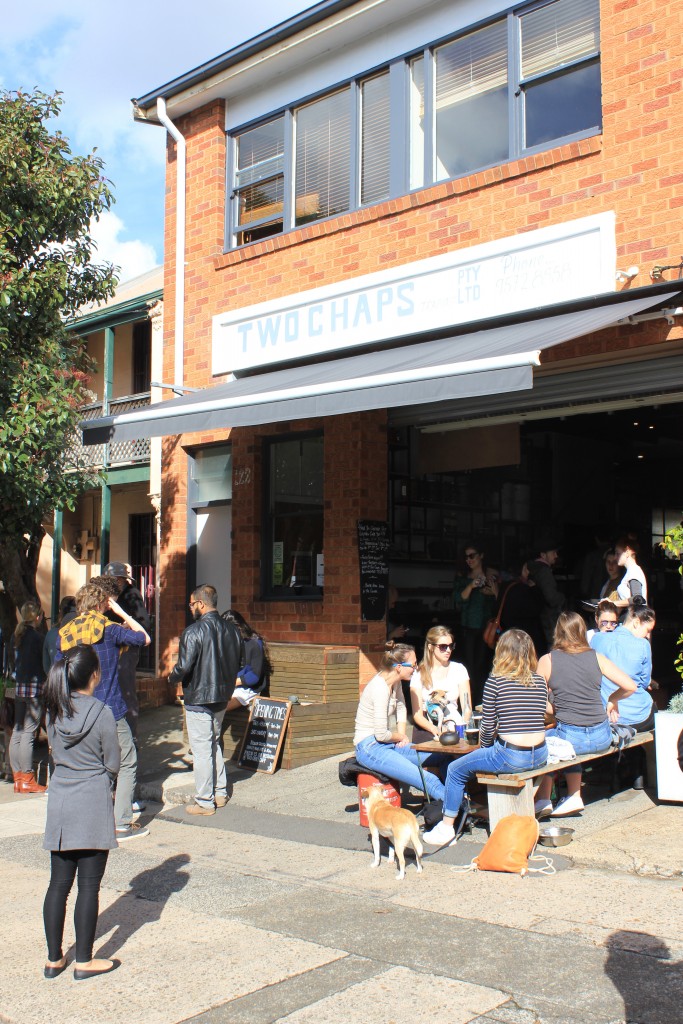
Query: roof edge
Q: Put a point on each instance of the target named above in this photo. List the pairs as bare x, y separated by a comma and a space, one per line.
144, 107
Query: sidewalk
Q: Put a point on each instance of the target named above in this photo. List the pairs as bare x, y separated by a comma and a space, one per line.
626, 832
268, 913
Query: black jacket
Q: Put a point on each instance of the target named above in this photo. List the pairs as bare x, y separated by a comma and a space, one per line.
132, 603
209, 658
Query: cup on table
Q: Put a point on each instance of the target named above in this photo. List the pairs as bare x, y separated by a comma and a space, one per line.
472, 736
461, 731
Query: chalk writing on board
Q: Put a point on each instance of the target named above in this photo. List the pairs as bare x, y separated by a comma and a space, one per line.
265, 734
373, 545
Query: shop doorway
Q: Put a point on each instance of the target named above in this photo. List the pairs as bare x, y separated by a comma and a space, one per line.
588, 477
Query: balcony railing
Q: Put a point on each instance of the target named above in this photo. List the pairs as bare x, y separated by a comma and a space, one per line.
120, 452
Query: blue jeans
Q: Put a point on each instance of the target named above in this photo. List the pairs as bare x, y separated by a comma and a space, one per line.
497, 759
401, 763
589, 739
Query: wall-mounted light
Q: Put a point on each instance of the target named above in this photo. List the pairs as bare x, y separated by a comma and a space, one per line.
628, 274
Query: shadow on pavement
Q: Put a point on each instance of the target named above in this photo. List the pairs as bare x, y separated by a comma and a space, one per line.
640, 967
144, 904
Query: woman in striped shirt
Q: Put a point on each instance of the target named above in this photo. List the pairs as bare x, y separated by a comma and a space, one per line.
512, 733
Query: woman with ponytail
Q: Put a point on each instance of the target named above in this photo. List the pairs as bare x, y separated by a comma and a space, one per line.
380, 738
79, 830
28, 645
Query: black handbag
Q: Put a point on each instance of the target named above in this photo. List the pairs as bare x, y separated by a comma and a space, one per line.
350, 769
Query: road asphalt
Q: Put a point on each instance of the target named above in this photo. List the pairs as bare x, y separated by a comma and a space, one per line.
269, 911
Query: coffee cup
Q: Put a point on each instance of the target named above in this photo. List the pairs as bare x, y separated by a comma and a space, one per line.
472, 736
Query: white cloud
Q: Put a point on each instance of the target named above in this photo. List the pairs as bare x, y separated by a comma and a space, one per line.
133, 257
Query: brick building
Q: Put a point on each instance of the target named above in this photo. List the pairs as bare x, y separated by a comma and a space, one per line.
430, 278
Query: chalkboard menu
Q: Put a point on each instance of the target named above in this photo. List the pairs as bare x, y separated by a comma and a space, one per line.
265, 734
373, 545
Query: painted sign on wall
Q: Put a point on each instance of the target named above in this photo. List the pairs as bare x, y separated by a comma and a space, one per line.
539, 268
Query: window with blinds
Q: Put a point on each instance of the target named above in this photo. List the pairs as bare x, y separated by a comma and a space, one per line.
526, 80
259, 181
322, 174
560, 70
471, 101
375, 143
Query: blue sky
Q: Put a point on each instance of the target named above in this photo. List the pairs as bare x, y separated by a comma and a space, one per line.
99, 55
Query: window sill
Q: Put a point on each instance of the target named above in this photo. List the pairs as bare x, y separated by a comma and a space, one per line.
539, 161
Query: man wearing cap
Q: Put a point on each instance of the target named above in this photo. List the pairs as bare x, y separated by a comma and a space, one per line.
130, 599
540, 570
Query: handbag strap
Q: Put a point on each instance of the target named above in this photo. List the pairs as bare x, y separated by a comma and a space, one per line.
502, 602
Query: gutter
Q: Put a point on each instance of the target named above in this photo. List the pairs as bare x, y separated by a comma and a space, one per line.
143, 107
181, 173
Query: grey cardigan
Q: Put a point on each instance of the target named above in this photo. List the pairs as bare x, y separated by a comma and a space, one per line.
87, 757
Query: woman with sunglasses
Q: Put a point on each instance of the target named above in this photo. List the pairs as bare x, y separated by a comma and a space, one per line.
512, 733
436, 671
606, 619
381, 747
475, 592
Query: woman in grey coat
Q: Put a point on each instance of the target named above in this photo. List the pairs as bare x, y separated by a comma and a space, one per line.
79, 831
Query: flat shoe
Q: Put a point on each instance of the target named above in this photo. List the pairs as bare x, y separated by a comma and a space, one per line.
81, 975
54, 972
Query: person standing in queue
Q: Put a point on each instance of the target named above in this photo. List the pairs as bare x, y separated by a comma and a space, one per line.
551, 598
633, 586
28, 645
130, 599
209, 659
475, 592
91, 626
79, 828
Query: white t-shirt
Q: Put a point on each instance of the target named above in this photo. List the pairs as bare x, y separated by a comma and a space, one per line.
633, 572
457, 676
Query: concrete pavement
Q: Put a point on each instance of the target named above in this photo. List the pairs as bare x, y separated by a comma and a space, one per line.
269, 912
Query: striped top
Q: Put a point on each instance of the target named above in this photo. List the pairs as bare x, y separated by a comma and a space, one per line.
510, 707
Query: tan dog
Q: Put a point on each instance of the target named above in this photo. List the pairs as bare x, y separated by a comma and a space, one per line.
396, 824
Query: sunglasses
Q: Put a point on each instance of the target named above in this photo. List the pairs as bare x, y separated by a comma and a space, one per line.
607, 623
470, 555
444, 647
407, 664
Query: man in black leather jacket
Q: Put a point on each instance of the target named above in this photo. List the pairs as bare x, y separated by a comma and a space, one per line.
209, 657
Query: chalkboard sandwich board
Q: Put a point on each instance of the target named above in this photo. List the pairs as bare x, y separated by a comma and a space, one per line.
373, 545
265, 734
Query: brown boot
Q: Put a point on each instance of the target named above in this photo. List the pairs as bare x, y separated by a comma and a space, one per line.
28, 784
18, 779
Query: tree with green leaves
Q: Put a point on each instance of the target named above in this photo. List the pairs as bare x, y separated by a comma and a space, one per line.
48, 271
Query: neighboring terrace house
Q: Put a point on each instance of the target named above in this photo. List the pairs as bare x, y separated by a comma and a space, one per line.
117, 520
423, 262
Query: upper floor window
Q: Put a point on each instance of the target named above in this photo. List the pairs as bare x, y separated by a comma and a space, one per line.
525, 81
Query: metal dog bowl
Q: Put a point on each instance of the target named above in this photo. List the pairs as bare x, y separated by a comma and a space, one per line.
556, 835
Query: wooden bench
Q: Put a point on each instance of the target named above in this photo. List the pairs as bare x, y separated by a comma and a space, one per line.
514, 793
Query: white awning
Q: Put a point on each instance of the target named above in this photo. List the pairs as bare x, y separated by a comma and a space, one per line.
484, 362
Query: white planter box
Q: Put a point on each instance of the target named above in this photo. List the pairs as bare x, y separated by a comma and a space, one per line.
668, 728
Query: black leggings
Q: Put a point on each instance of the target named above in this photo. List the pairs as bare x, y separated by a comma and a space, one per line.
90, 865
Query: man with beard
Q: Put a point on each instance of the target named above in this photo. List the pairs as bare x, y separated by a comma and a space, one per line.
209, 657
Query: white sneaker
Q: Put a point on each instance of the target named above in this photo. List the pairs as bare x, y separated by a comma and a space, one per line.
542, 808
568, 805
441, 835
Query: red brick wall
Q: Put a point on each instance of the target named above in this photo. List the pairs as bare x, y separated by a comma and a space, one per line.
633, 168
